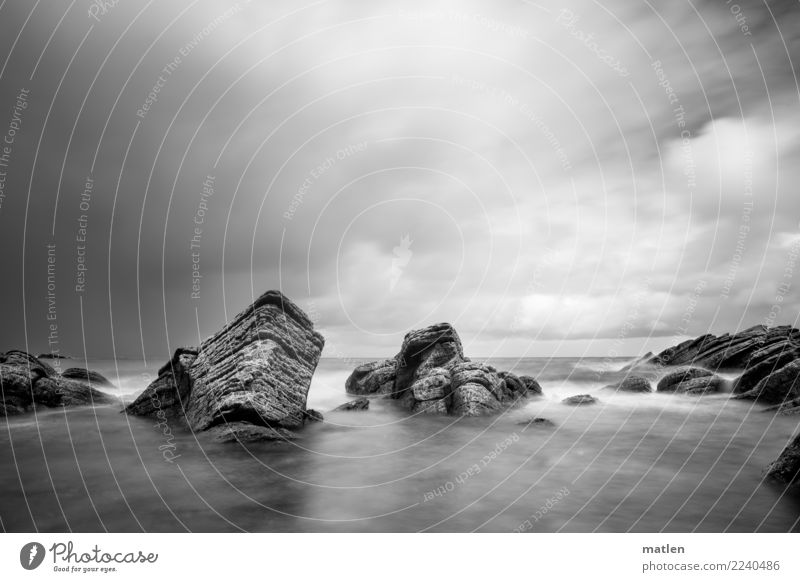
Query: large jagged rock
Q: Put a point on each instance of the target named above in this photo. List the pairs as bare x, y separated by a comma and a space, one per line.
256, 370
431, 375
786, 468
26, 382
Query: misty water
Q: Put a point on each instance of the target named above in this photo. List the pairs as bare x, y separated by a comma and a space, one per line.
633, 462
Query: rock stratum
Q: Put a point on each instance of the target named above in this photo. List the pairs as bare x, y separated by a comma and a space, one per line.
26, 383
431, 375
767, 357
249, 381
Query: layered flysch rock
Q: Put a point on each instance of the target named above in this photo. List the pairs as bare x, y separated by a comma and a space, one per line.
256, 371
739, 351
26, 382
768, 357
431, 375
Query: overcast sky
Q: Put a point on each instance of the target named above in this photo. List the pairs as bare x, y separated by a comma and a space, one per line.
567, 178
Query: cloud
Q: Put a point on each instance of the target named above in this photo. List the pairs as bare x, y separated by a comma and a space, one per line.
543, 190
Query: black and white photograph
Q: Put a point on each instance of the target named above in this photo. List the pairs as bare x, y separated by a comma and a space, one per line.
376, 267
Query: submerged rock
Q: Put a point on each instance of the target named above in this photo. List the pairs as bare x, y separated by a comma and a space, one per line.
256, 370
580, 399
631, 384
26, 382
358, 404
537, 421
90, 376
431, 375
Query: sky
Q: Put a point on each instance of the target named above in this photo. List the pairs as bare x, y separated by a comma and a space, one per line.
577, 178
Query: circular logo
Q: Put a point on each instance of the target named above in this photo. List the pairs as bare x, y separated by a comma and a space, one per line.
31, 555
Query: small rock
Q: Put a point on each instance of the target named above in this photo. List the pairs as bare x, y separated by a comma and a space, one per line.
537, 421
357, 404
314, 415
580, 399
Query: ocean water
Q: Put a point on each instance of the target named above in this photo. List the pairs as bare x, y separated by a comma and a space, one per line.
633, 462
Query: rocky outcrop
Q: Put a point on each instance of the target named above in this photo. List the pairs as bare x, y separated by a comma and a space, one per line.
631, 384
89, 376
742, 350
254, 371
778, 387
26, 382
431, 375
768, 357
786, 468
580, 400
357, 404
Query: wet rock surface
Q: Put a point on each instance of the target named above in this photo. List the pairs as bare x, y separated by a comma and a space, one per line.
431, 375
255, 371
580, 400
27, 382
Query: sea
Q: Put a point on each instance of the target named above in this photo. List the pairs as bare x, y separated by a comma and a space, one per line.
630, 463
